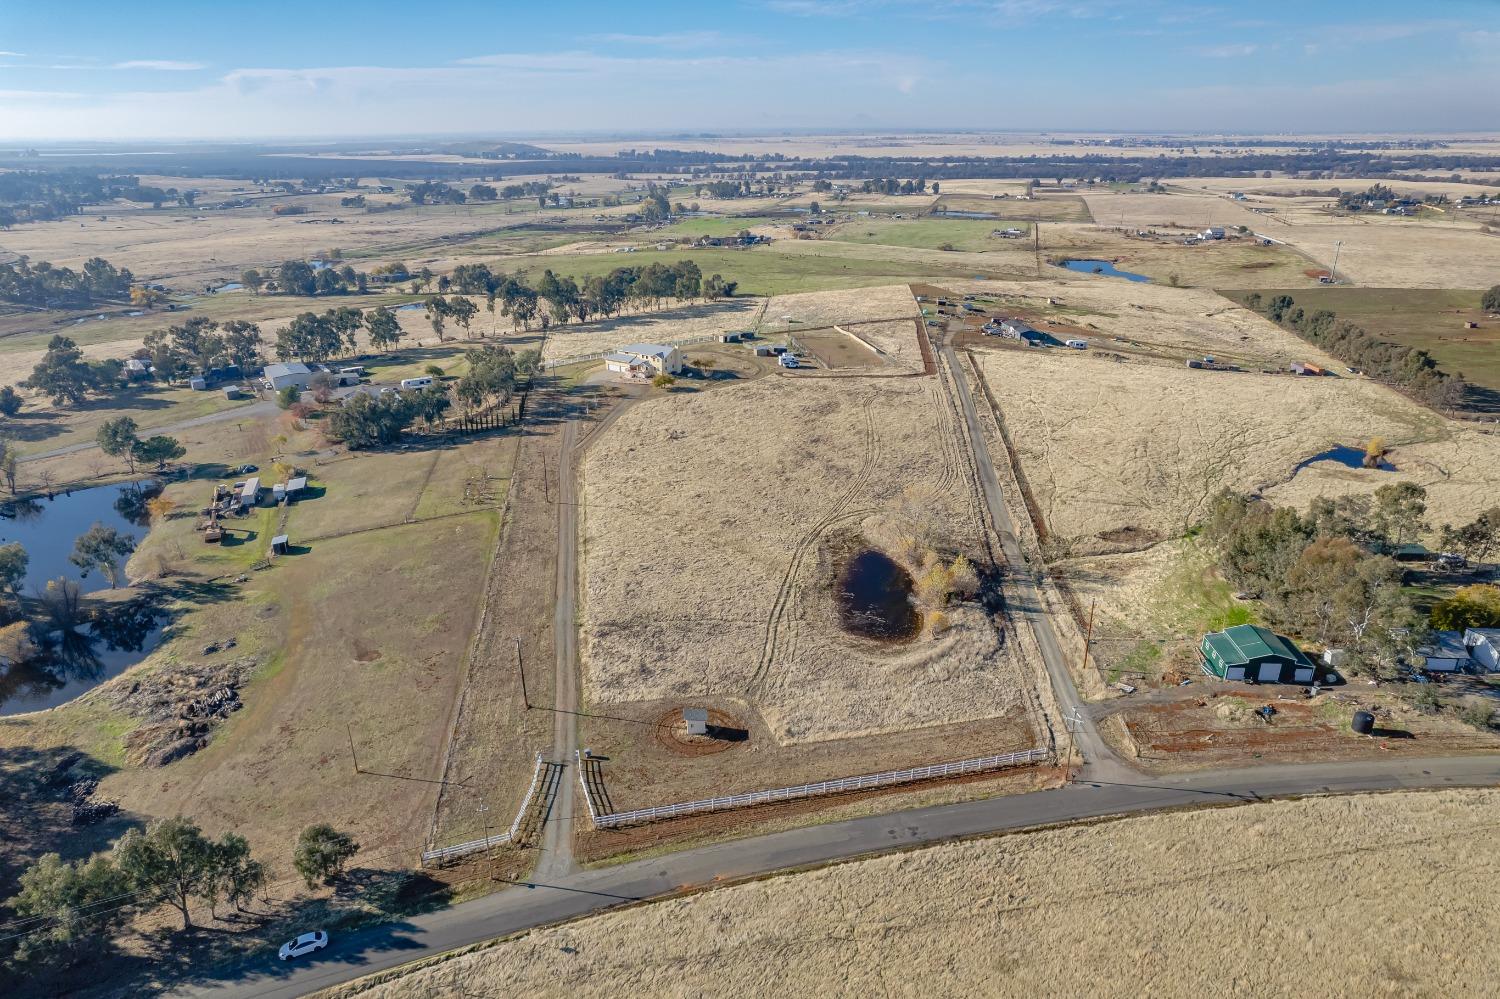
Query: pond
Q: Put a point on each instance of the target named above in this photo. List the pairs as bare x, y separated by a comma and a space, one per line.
1102, 267
79, 650
229, 286
874, 597
1349, 457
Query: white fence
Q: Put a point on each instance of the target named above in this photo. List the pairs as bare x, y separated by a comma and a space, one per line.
839, 785
499, 839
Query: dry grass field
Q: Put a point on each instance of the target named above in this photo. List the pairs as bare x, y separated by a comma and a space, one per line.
688, 322
1370, 895
1166, 439
713, 529
789, 313
367, 624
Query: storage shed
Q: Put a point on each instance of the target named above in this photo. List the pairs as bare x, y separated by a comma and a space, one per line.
250, 493
1250, 652
696, 720
1445, 652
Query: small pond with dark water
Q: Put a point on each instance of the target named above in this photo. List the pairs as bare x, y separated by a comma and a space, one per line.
874, 598
1102, 267
1349, 457
99, 644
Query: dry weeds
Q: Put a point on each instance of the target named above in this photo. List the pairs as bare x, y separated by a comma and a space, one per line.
713, 530
1107, 445
1369, 895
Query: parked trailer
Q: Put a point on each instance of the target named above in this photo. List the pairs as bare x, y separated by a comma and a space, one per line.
1077, 344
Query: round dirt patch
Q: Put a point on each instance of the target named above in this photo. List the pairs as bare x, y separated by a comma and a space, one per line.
724, 732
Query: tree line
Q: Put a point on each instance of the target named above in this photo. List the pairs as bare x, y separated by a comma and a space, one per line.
299, 277
494, 375
41, 195
42, 284
71, 912
1408, 369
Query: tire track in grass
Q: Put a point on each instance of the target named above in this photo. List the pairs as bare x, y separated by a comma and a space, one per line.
777, 617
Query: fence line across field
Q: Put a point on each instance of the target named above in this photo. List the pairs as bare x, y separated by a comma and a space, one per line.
499, 839
838, 785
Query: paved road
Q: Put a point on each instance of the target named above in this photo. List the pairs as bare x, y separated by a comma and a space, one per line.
253, 411
1096, 754
538, 903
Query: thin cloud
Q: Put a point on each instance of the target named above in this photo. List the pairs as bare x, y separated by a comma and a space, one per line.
1233, 51
669, 40
165, 65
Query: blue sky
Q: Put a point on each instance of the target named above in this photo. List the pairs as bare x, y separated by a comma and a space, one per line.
169, 69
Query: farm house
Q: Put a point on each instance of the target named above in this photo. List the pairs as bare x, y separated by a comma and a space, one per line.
645, 360
1249, 652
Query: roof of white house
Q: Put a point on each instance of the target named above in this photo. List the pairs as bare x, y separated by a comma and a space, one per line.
648, 349
624, 358
290, 368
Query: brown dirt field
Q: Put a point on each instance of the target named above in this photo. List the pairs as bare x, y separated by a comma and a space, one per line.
1215, 725
839, 350
720, 586
644, 763
1157, 904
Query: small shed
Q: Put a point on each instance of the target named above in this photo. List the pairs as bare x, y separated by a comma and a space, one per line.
198, 384
1445, 652
1304, 368
250, 493
1250, 652
696, 720
232, 392
295, 485
279, 544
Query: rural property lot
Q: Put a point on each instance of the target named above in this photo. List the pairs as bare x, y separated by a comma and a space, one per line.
1167, 439
688, 322
1430, 320
720, 586
1157, 904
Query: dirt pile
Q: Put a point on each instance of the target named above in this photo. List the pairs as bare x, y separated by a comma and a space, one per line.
179, 706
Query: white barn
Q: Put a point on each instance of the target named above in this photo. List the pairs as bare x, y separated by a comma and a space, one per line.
279, 376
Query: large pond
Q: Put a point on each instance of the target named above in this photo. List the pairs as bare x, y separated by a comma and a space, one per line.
1349, 457
78, 652
874, 598
1102, 267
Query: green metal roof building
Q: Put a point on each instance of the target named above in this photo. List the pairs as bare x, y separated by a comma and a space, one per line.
1249, 652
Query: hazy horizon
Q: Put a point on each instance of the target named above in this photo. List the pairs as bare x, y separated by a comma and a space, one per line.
289, 72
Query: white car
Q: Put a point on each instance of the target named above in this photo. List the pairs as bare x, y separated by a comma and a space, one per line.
305, 944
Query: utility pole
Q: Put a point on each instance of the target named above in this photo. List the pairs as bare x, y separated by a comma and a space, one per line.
352, 755
521, 666
1087, 637
1036, 245
1333, 275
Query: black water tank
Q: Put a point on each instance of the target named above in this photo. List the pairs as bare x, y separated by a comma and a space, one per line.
1364, 722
